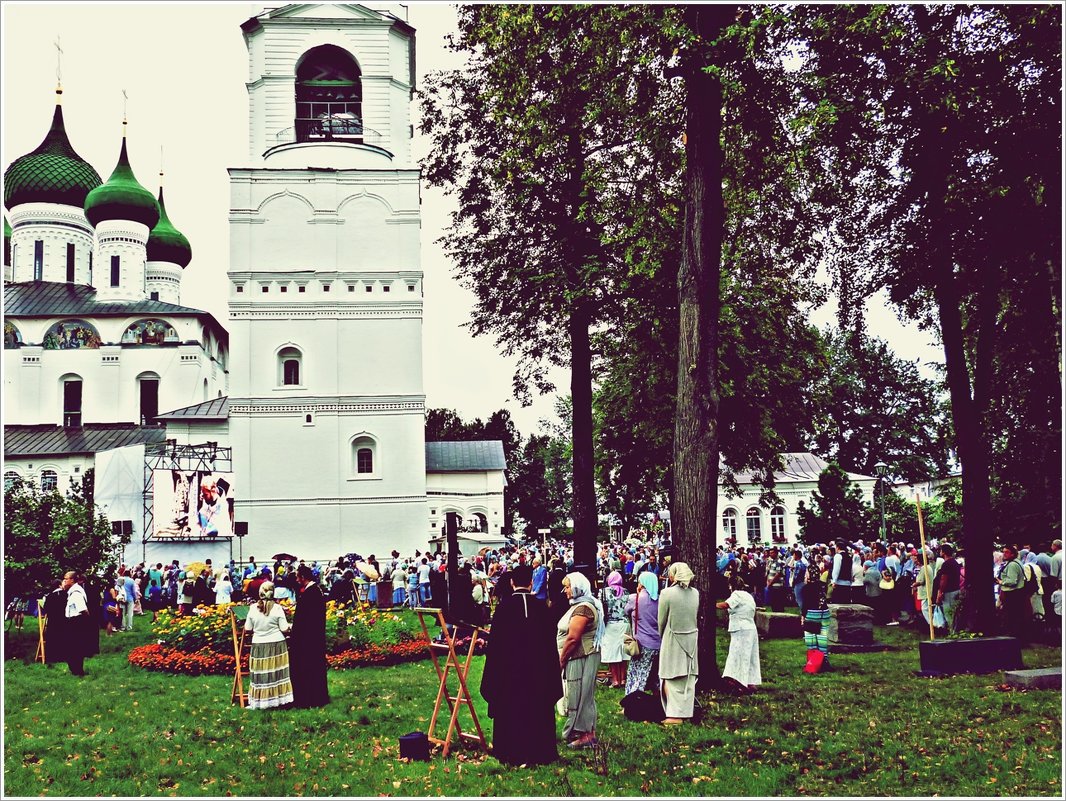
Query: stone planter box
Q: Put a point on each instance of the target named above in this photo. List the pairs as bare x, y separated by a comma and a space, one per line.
979, 655
778, 625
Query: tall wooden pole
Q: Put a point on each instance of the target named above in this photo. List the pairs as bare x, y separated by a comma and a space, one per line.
925, 568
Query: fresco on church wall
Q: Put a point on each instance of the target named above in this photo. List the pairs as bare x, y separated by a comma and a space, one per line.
71, 334
149, 332
12, 336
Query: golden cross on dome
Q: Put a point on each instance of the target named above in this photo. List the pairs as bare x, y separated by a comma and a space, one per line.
125, 97
59, 64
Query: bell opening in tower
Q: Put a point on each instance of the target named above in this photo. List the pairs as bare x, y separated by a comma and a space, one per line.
329, 96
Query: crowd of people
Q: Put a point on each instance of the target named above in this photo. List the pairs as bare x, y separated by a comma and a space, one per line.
556, 623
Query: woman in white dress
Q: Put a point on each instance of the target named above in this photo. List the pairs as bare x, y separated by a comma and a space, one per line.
613, 598
223, 589
742, 663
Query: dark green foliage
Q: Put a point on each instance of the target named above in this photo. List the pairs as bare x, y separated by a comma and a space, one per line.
874, 407
837, 511
47, 533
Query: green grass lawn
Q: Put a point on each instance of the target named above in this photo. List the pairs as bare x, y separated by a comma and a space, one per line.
870, 728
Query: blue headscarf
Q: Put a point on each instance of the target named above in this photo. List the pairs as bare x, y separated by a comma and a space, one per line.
650, 582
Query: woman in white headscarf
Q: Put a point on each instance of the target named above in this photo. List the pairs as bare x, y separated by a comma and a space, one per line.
678, 664
578, 638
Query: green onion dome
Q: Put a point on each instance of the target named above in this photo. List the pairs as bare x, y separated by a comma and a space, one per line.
53, 173
167, 243
122, 198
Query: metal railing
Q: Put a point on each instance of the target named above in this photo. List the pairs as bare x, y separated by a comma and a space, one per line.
326, 129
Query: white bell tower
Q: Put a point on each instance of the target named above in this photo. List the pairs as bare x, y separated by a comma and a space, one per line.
325, 288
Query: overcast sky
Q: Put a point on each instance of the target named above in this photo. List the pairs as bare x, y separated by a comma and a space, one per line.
183, 67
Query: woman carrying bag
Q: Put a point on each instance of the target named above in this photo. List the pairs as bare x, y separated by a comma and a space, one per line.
643, 610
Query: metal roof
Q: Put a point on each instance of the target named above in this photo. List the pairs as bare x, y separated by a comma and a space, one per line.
798, 467
52, 440
462, 457
215, 409
60, 299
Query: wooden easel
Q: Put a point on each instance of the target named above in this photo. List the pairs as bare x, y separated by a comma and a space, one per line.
240, 645
462, 695
39, 656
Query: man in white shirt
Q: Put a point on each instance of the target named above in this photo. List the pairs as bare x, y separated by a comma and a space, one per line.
77, 621
423, 580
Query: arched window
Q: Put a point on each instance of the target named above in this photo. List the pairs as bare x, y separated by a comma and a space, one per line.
290, 362
364, 456
777, 523
205, 390
148, 392
49, 481
70, 385
71, 334
149, 332
9, 479
329, 96
12, 336
729, 523
754, 519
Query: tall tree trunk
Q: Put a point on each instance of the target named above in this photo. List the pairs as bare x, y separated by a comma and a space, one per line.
583, 479
936, 134
694, 511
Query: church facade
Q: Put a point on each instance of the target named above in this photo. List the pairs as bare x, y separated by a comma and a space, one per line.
310, 401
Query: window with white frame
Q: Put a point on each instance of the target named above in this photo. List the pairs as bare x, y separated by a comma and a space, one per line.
754, 518
729, 523
290, 367
49, 480
777, 523
9, 479
364, 457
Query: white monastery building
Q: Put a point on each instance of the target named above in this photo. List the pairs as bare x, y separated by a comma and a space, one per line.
309, 410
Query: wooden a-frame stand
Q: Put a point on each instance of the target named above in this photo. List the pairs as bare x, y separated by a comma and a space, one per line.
39, 656
240, 645
462, 695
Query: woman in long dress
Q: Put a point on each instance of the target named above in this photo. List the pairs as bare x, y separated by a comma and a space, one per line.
270, 684
579, 636
742, 663
678, 662
642, 608
613, 598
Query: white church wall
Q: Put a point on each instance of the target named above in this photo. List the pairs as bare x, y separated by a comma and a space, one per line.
275, 50
109, 375
67, 468
56, 226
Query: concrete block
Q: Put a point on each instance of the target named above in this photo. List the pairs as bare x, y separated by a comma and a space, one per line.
1038, 679
851, 624
778, 625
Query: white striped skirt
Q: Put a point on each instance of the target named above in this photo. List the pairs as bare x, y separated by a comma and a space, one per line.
270, 682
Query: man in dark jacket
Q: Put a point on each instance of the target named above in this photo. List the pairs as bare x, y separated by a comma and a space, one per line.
307, 644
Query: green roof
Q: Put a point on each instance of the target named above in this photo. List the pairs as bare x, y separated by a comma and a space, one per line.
53, 173
7, 229
122, 198
167, 243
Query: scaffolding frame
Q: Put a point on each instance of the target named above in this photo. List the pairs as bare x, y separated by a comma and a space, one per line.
208, 457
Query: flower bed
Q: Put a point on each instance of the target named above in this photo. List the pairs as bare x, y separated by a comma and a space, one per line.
206, 662
202, 643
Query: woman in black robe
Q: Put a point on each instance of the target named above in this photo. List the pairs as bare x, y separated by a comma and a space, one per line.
307, 644
522, 681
